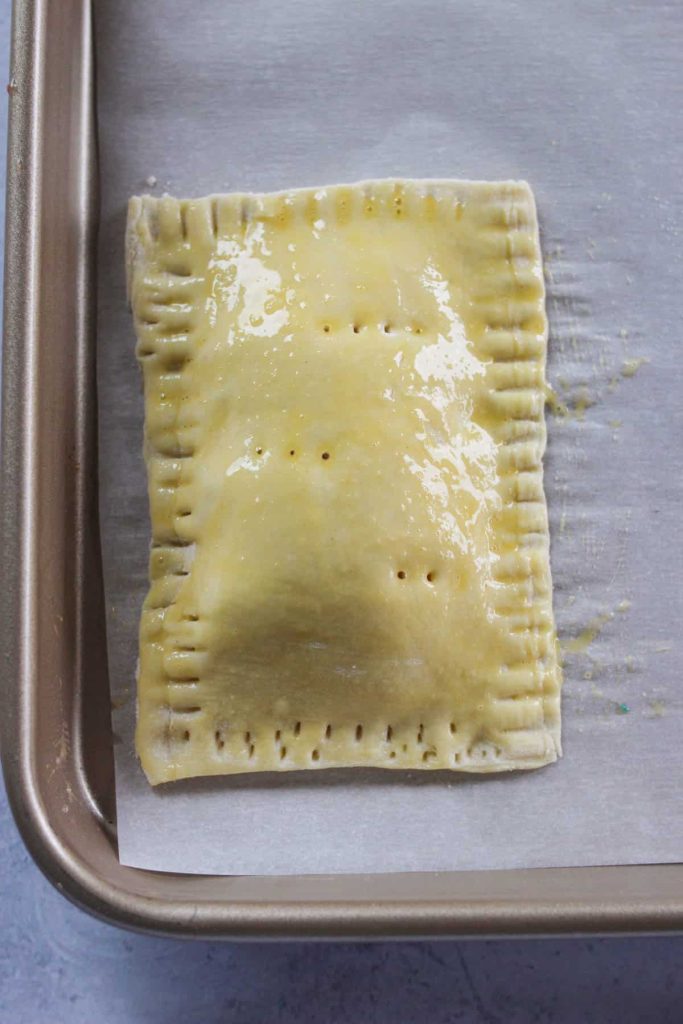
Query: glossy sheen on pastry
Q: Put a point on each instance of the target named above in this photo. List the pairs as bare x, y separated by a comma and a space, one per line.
344, 393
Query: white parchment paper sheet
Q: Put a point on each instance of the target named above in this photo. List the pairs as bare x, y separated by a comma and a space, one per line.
578, 98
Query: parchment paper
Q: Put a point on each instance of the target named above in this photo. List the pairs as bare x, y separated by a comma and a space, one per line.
579, 99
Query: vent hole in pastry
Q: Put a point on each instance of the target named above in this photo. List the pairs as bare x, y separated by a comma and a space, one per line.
428, 754
328, 731
456, 758
278, 734
297, 728
326, 328
259, 451
188, 709
252, 748
453, 728
191, 618
390, 733
325, 455
247, 737
181, 572
184, 512
315, 755
292, 451
283, 753
392, 753
387, 328
420, 733
401, 574
431, 576
220, 742
417, 329
356, 328
359, 733
186, 736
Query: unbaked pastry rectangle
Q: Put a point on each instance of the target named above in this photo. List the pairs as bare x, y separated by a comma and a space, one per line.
344, 393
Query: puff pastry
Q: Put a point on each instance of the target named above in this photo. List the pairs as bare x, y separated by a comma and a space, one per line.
344, 393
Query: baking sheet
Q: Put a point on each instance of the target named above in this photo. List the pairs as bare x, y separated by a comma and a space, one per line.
576, 98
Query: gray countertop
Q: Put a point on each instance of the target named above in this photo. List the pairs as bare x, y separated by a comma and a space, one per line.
57, 963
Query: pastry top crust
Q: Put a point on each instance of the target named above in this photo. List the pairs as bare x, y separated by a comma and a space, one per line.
344, 393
